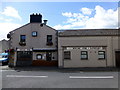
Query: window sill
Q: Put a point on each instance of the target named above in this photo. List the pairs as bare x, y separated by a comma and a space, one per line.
84, 59
49, 43
67, 59
101, 59
22, 43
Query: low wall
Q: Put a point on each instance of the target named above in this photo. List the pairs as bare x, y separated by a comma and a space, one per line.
44, 63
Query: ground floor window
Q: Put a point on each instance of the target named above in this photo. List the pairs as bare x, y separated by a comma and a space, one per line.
101, 55
67, 55
84, 55
39, 56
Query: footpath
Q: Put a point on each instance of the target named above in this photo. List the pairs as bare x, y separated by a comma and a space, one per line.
46, 68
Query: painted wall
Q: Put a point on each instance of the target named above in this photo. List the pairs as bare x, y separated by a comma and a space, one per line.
33, 42
110, 42
54, 54
4, 45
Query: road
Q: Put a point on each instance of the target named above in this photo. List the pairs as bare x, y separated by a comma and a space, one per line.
59, 79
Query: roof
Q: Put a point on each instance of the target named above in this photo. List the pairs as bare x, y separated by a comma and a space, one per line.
19, 27
89, 32
29, 24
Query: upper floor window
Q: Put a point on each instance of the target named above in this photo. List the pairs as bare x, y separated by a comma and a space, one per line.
34, 34
101, 55
49, 40
22, 38
84, 55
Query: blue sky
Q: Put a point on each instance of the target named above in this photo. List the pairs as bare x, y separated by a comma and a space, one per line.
60, 15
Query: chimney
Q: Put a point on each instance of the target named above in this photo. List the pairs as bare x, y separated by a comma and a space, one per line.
35, 18
45, 22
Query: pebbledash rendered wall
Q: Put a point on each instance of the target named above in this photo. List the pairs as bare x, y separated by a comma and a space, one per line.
32, 42
4, 45
110, 44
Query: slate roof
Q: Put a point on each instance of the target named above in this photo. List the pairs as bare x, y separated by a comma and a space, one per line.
89, 32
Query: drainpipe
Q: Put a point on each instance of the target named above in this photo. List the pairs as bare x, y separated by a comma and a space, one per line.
112, 51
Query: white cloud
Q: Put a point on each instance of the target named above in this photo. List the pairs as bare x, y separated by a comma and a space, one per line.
5, 28
67, 14
58, 27
86, 11
101, 19
6, 21
12, 12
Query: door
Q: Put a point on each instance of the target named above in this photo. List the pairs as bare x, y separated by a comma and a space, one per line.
48, 56
24, 58
117, 57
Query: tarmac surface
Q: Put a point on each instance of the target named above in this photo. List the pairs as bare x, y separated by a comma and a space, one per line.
50, 78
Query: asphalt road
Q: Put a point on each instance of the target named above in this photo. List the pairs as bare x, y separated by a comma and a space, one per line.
59, 79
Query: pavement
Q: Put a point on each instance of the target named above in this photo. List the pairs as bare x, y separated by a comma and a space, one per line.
46, 68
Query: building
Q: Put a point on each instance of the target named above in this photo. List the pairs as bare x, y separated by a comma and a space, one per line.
89, 48
33, 44
4, 45
38, 44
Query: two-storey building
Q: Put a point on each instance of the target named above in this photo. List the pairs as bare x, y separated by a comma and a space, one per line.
34, 43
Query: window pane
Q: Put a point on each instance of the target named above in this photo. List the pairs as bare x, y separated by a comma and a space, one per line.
34, 34
101, 56
22, 38
101, 52
83, 56
84, 52
39, 56
49, 38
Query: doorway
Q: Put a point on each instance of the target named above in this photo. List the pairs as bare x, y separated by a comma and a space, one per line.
48, 56
24, 58
117, 57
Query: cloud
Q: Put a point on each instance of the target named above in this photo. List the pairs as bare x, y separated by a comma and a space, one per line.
86, 11
119, 17
12, 12
5, 28
101, 19
67, 14
7, 18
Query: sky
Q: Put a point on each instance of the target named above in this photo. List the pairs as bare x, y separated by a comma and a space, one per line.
60, 15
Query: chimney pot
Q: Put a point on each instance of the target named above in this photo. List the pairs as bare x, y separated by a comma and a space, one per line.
45, 22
